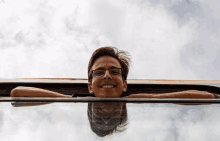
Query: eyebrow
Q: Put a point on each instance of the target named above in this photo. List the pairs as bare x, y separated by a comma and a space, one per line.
109, 68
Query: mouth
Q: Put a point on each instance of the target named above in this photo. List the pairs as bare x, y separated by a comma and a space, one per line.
108, 86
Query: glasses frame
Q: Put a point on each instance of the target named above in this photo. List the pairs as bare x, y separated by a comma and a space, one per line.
108, 71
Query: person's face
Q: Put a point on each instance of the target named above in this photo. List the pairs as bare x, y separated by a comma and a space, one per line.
107, 108
106, 116
116, 82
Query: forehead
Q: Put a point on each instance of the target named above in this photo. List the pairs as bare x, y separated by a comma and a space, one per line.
106, 62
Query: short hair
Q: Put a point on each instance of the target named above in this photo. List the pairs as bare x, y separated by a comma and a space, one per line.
122, 56
120, 127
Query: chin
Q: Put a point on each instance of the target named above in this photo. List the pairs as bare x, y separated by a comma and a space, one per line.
106, 95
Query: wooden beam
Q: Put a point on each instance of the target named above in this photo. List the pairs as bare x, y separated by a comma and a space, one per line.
79, 87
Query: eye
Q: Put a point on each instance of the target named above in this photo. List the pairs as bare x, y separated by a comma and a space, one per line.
115, 71
99, 72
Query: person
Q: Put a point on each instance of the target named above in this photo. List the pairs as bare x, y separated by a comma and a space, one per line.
105, 120
107, 75
107, 78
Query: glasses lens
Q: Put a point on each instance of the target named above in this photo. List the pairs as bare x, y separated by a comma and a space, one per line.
115, 71
98, 72
101, 72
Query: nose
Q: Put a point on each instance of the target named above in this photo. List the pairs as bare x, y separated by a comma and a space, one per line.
107, 110
107, 75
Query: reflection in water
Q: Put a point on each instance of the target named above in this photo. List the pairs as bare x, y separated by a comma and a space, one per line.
107, 118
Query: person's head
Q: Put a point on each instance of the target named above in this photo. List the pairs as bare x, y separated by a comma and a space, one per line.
107, 118
117, 63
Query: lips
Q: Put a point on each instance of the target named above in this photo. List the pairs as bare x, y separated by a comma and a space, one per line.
108, 86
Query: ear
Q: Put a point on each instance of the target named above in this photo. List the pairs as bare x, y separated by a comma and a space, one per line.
90, 88
124, 86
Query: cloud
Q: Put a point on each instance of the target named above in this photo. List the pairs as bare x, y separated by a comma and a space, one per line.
49, 122
53, 39
166, 39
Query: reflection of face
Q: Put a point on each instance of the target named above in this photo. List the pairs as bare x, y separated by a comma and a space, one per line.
101, 108
107, 62
106, 115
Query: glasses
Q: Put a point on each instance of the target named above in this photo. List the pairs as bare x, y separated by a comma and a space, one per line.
112, 71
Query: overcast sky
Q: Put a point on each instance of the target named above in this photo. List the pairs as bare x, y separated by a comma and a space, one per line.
167, 39
55, 39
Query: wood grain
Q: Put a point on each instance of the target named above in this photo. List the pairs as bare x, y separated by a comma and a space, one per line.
79, 87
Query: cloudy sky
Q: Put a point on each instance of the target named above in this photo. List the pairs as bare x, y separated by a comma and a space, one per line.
167, 39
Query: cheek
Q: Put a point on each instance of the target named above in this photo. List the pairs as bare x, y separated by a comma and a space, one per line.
94, 85
96, 89
120, 87
117, 114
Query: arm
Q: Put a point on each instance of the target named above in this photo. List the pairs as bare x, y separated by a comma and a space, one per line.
33, 92
194, 94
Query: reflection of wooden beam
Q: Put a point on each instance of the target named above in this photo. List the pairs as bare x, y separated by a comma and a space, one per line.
95, 99
79, 87
25, 104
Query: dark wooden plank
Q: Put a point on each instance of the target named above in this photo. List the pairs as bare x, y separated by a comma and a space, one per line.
79, 86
